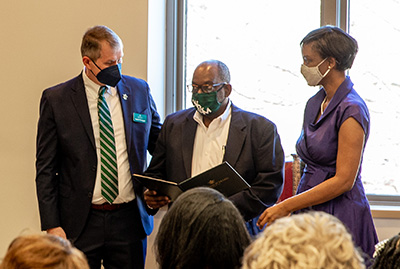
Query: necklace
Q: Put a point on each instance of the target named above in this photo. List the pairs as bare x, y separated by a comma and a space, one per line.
322, 105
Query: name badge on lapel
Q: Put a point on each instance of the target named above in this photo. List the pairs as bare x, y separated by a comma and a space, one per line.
137, 117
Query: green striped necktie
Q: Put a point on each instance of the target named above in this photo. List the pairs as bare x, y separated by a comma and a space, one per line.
108, 157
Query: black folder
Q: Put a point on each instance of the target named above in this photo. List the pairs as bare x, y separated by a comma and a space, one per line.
222, 177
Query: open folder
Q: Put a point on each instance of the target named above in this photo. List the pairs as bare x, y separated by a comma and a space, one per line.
222, 177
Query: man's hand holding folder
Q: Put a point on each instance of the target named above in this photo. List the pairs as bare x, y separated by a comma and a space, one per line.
154, 200
222, 177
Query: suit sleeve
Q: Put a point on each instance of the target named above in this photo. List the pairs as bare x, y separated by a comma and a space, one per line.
266, 186
155, 126
47, 166
157, 167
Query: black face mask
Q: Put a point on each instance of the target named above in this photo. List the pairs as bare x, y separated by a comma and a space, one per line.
110, 75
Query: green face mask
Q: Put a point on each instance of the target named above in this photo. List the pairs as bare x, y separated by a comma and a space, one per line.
206, 103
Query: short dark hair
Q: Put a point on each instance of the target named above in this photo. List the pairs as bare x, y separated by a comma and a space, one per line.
91, 46
202, 229
331, 41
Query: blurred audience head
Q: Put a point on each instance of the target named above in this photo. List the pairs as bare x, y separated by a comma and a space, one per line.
388, 256
308, 240
43, 251
202, 229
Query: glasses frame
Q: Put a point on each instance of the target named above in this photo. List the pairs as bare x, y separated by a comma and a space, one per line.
205, 88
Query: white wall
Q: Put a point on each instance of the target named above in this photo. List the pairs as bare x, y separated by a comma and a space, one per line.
40, 47
386, 227
156, 79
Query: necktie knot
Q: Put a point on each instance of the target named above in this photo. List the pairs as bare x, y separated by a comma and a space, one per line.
102, 90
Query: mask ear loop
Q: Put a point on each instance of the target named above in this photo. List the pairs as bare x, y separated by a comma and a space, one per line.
95, 65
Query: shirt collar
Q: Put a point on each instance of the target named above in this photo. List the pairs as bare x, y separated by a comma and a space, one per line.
93, 87
222, 118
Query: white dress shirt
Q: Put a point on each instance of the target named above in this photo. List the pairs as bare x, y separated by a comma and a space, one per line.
209, 143
125, 185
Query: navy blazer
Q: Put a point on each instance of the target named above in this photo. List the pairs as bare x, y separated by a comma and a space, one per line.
253, 149
66, 161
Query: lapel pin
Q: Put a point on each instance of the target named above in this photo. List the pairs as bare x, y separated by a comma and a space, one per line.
125, 96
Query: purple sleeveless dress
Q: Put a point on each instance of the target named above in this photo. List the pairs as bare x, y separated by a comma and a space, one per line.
317, 146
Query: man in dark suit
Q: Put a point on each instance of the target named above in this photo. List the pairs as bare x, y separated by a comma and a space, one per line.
72, 165
196, 139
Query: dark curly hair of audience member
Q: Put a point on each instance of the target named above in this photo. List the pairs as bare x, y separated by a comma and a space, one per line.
388, 257
202, 229
43, 251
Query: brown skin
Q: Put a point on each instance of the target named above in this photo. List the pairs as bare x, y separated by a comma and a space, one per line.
350, 147
205, 73
108, 57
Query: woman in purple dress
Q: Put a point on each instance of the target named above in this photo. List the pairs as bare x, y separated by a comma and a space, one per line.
332, 141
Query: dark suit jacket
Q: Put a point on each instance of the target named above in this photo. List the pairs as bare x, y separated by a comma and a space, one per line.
253, 149
66, 161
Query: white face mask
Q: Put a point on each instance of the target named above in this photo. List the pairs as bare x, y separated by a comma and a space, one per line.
312, 74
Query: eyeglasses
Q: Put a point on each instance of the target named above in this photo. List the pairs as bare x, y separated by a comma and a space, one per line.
205, 88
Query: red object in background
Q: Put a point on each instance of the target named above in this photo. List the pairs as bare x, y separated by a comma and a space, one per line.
288, 184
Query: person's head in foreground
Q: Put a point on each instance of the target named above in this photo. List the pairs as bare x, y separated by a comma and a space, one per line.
43, 251
310, 240
388, 257
202, 229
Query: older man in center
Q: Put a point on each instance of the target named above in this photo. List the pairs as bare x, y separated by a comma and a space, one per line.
213, 131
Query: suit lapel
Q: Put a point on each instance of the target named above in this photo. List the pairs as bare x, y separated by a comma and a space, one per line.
80, 102
188, 134
124, 96
236, 137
